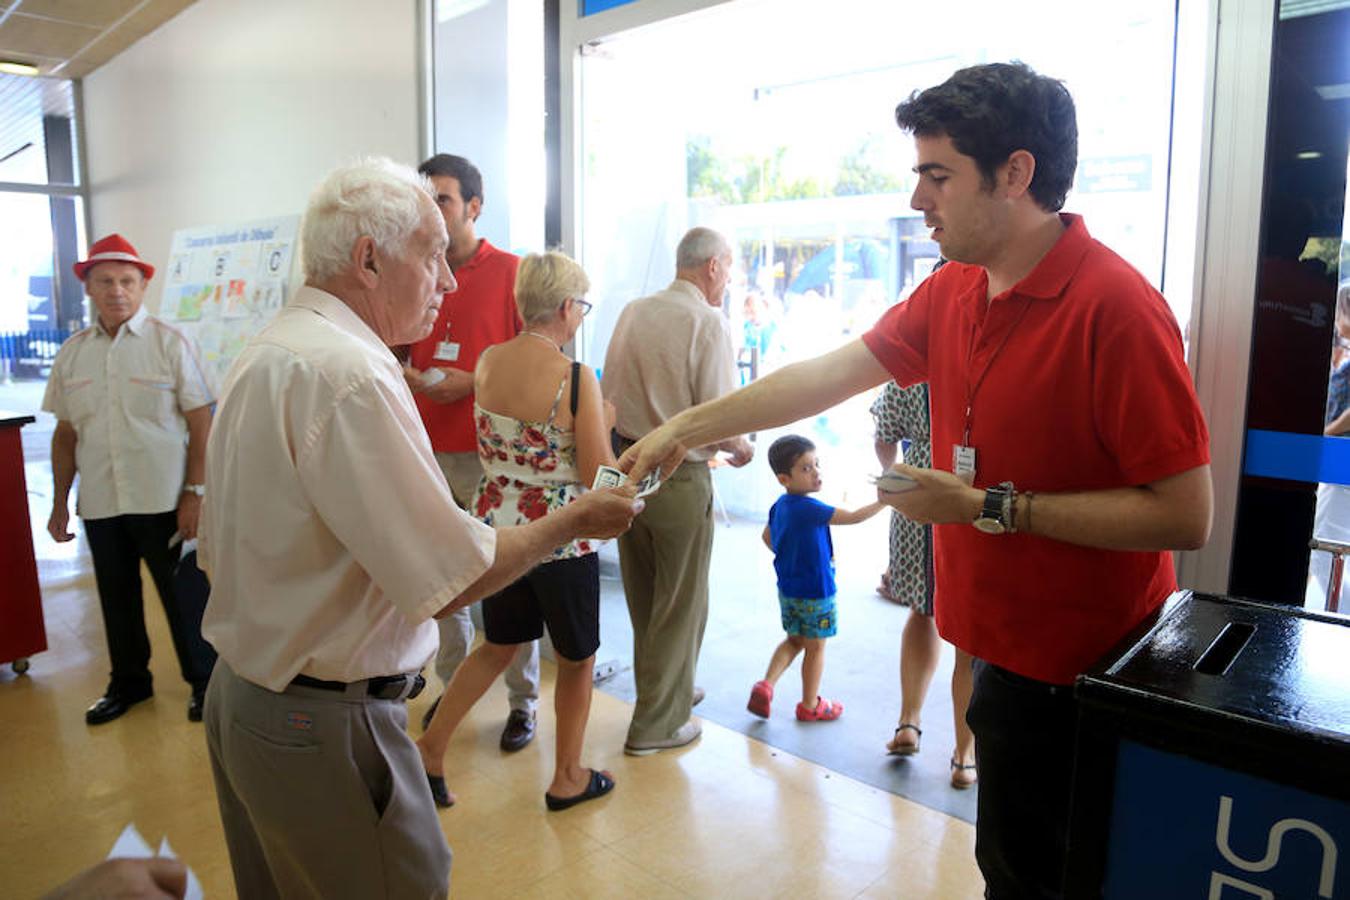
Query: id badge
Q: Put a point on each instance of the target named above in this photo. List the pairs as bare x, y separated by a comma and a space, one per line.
963, 463
447, 351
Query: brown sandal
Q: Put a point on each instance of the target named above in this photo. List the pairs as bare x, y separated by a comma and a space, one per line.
960, 779
895, 748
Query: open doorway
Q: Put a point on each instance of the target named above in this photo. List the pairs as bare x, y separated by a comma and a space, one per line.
774, 124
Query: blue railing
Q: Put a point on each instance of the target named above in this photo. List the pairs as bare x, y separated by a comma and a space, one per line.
30, 353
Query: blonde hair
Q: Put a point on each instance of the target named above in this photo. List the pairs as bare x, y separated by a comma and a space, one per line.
545, 281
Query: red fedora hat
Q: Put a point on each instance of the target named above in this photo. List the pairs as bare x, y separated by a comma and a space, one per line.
113, 248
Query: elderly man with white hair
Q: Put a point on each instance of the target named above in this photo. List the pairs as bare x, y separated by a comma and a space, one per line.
669, 352
332, 542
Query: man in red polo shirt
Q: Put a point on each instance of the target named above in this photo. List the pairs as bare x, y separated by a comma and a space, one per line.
480, 313
1071, 453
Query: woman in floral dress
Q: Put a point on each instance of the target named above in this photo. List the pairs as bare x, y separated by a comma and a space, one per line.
543, 430
901, 414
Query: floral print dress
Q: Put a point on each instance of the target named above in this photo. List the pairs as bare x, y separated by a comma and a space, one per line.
529, 470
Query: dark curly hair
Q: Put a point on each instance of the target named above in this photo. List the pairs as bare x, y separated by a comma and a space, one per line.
456, 167
784, 452
990, 111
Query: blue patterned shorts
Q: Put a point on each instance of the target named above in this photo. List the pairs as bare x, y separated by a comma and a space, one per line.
808, 618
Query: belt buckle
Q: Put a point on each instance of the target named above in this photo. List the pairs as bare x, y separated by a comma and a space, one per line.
393, 688
418, 683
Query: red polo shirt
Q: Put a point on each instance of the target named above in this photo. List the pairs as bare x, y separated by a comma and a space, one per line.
1086, 389
480, 313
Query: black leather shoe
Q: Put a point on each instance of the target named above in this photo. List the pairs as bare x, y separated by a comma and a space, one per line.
109, 707
519, 730
195, 708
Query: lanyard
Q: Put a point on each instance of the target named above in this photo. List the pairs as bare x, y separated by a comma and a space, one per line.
972, 390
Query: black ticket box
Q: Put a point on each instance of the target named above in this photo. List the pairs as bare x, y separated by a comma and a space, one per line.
1213, 757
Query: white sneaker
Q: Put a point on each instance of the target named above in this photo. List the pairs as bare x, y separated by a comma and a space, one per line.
685, 734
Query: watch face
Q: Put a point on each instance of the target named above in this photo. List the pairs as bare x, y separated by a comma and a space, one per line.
990, 526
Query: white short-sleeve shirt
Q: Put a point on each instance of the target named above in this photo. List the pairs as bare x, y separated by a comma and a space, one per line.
670, 351
328, 530
125, 395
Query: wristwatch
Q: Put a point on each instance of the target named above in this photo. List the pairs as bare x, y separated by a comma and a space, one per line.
996, 515
198, 489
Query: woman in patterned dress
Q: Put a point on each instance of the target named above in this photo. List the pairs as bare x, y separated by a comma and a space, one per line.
543, 430
902, 414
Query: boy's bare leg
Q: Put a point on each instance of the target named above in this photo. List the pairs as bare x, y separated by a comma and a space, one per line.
783, 655
813, 667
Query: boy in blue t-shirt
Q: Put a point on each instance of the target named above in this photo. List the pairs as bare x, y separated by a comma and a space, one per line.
798, 533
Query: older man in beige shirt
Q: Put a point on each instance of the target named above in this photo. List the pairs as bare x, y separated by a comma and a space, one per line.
133, 411
671, 351
333, 542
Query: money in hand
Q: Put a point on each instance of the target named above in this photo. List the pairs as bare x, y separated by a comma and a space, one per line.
608, 476
893, 482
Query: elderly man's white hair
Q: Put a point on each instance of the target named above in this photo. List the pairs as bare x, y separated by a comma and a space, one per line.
373, 197
699, 245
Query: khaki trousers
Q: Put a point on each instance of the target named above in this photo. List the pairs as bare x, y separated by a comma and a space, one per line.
462, 472
664, 558
322, 794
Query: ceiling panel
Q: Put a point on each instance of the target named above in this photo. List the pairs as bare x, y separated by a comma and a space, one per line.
71, 38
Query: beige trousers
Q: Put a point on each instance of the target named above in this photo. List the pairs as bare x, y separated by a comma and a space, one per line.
321, 793
664, 558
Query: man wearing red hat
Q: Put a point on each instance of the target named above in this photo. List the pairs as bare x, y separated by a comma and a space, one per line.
133, 410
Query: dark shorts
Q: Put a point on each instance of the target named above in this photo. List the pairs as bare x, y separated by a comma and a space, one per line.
563, 594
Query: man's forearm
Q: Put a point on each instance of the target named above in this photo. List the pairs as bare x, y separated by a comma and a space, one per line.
199, 429
519, 549
1129, 519
789, 394
1172, 513
63, 468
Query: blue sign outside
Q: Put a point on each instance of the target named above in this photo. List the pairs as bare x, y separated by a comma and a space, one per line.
591, 7
1187, 829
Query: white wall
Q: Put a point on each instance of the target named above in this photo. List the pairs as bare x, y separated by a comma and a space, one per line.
472, 105
234, 110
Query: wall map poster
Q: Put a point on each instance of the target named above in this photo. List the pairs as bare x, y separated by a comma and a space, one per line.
225, 282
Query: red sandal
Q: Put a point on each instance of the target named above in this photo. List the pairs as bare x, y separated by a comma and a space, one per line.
825, 711
761, 699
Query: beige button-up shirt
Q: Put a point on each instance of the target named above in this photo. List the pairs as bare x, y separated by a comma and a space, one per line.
125, 395
670, 351
328, 530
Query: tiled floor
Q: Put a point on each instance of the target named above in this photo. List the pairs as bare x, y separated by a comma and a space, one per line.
728, 817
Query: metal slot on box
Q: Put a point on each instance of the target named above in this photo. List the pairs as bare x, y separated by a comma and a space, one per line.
1219, 656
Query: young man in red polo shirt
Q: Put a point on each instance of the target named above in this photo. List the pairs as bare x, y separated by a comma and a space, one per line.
480, 313
1071, 453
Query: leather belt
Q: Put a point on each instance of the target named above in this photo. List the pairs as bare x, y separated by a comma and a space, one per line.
384, 687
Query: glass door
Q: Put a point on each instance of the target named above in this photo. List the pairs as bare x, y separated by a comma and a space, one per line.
773, 122
1296, 468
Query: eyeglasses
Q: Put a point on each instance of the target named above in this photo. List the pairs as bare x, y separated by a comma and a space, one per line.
584, 305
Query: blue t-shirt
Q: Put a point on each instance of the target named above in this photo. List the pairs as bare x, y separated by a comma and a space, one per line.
803, 554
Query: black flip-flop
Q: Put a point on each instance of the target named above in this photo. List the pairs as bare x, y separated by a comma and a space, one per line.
599, 785
440, 792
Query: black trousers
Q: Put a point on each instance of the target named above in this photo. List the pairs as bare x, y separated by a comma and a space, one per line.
1024, 748
118, 545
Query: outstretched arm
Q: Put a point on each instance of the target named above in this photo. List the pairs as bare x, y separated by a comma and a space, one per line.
791, 393
854, 516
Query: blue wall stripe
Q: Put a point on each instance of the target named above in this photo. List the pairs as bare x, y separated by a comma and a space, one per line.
1298, 457
591, 7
